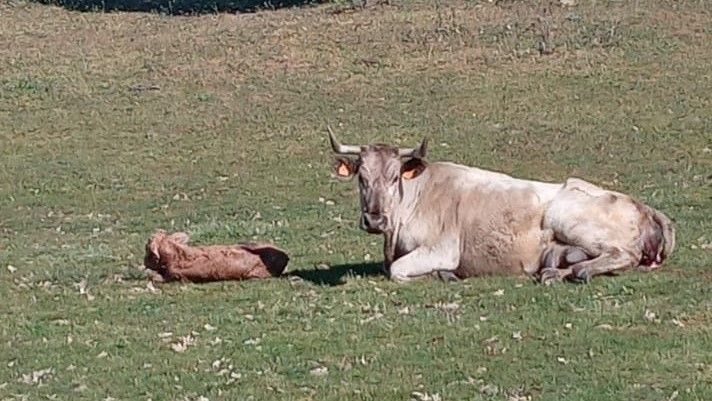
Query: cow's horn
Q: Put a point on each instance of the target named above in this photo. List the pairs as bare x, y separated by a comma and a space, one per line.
342, 149
418, 152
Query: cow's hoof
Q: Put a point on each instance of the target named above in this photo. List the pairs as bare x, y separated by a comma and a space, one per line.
550, 276
447, 276
580, 275
397, 278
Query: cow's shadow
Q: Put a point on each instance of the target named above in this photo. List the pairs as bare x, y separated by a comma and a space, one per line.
336, 275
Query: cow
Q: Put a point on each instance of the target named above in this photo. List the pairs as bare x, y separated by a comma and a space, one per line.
452, 220
169, 258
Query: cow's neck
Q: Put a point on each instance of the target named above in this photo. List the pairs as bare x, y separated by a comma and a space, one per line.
410, 198
400, 216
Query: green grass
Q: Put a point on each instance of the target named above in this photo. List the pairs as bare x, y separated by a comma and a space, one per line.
232, 146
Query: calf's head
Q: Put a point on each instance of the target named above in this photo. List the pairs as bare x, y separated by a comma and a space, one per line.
381, 170
160, 249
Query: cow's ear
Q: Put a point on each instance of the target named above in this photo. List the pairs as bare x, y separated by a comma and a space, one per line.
344, 168
412, 168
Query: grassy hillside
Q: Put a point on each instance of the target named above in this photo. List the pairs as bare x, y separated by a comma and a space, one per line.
113, 125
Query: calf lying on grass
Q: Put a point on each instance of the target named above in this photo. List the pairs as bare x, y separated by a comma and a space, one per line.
169, 258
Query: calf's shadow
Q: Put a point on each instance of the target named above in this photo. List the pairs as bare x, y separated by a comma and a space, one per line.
336, 275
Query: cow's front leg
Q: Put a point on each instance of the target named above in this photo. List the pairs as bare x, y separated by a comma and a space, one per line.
423, 261
388, 253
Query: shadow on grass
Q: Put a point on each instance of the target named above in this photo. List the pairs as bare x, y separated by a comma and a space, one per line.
335, 275
179, 7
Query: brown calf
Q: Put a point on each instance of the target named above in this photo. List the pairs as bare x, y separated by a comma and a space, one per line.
170, 258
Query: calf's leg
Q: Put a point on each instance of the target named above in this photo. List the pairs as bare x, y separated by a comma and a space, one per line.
155, 276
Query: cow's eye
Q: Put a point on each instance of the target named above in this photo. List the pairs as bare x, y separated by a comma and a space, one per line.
395, 180
361, 181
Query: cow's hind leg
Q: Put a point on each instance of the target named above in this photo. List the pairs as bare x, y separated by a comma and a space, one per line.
424, 261
555, 262
609, 261
553, 275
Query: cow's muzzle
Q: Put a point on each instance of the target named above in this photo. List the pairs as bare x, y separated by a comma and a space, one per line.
373, 223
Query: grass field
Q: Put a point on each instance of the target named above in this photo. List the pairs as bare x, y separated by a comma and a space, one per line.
113, 125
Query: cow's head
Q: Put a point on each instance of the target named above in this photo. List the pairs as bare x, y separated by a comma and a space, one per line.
381, 170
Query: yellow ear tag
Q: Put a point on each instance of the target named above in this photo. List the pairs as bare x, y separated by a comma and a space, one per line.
342, 170
408, 174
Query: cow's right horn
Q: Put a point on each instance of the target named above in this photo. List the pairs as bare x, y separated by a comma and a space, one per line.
342, 149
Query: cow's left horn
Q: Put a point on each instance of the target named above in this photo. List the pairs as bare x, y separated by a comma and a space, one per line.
342, 149
418, 152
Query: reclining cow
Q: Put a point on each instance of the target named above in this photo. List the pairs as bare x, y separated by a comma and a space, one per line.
457, 220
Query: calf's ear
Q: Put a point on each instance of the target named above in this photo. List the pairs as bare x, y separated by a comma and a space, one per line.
152, 248
180, 237
412, 168
344, 168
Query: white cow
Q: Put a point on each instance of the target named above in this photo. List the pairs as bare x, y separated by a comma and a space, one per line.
459, 221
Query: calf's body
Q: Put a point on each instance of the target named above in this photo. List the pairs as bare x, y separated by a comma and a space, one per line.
171, 258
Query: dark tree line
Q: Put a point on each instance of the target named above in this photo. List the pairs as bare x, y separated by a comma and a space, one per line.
179, 6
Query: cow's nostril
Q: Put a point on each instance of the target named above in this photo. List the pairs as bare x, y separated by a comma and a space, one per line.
373, 220
368, 219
